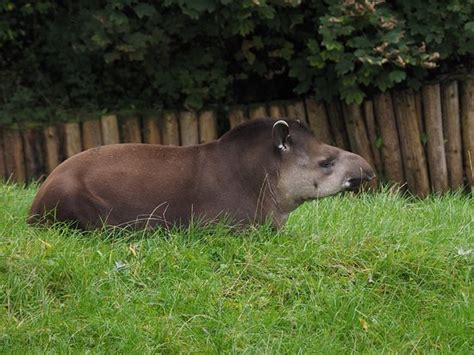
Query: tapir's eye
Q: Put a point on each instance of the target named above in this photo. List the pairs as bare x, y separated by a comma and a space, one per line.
327, 163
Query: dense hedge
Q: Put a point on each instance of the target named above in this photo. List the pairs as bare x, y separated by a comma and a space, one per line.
113, 54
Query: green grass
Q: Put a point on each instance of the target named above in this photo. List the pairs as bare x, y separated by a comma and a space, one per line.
371, 273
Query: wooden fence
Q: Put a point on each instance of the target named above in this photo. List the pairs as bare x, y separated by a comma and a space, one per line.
422, 140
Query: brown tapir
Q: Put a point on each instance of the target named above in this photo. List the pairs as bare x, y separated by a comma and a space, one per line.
258, 171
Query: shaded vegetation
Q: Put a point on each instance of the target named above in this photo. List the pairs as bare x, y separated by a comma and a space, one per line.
61, 57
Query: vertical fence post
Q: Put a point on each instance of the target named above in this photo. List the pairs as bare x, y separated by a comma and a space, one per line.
51, 140
33, 150
170, 129
357, 132
110, 130
452, 130
276, 110
237, 116
372, 135
72, 139
257, 111
131, 131
151, 129
434, 129
416, 171
467, 119
189, 128
419, 112
91, 134
338, 127
391, 150
3, 171
207, 126
14, 157
318, 120
296, 110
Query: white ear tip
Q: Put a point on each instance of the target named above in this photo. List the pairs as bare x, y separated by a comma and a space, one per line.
280, 122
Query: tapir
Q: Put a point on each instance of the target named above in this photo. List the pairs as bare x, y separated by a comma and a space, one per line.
256, 173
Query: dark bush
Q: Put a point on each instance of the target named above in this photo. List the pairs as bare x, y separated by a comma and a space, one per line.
59, 56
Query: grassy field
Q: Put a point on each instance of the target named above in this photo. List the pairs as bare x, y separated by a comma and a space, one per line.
371, 273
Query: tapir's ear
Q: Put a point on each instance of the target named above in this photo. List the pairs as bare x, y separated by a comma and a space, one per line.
280, 134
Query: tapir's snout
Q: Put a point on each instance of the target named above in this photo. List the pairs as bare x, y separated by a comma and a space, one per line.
359, 171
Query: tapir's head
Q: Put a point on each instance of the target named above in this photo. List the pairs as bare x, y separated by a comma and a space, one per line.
309, 169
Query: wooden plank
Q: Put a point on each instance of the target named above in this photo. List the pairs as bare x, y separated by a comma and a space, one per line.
296, 110
170, 128
3, 171
467, 124
33, 152
338, 127
110, 130
72, 139
189, 128
14, 156
277, 110
91, 134
151, 129
419, 112
207, 126
257, 111
416, 170
435, 146
357, 132
369, 117
131, 131
52, 148
318, 120
391, 150
237, 116
452, 130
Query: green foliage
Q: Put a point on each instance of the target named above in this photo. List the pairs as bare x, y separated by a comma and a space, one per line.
117, 54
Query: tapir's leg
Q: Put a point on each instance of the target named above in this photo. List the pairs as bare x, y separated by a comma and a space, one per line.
72, 205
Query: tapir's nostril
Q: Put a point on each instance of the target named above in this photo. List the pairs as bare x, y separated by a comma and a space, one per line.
354, 183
